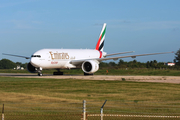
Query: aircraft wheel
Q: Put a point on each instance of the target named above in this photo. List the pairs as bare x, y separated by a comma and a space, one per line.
88, 74
40, 74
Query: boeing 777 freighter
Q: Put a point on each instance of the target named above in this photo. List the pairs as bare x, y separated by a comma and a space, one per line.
87, 59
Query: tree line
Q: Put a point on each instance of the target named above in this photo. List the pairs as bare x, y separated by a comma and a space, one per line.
8, 64
135, 64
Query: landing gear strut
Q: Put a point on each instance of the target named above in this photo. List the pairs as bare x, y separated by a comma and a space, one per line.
58, 72
39, 71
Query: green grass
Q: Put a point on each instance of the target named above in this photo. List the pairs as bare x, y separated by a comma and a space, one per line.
44, 98
79, 89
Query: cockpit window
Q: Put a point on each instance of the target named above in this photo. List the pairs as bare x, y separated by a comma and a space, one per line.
36, 56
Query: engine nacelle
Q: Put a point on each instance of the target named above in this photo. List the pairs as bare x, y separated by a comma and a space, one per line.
31, 68
90, 66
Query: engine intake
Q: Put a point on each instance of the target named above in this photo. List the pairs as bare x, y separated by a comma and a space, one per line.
90, 66
31, 68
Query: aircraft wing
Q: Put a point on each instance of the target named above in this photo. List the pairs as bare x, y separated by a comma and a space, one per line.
133, 56
78, 62
118, 53
17, 56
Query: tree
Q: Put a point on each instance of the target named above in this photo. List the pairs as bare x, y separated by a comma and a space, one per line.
18, 63
112, 64
148, 64
121, 62
177, 58
24, 65
7, 64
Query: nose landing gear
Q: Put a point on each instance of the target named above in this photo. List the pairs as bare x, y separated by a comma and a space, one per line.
40, 74
39, 71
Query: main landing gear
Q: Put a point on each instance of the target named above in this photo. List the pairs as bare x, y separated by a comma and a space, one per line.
58, 72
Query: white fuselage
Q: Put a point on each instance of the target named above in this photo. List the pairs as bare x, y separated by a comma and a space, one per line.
61, 58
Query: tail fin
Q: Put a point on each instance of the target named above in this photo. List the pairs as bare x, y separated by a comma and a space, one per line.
100, 43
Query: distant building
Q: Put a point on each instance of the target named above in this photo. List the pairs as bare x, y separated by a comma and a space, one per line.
19, 68
22, 68
170, 64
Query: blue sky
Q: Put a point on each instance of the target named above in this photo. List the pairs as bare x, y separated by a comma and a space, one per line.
143, 26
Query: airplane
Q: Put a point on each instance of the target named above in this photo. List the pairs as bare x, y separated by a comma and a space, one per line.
87, 59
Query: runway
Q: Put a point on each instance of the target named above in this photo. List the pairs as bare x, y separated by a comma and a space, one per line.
160, 79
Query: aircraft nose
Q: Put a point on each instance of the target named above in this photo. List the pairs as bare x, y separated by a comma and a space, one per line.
35, 62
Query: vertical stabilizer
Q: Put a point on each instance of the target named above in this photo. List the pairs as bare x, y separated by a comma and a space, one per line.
100, 43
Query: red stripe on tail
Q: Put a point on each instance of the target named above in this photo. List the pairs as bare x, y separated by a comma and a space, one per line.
97, 46
100, 54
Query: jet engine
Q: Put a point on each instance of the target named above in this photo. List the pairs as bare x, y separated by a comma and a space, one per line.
90, 66
31, 68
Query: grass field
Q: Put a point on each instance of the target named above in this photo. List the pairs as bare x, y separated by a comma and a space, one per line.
44, 98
